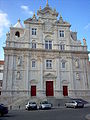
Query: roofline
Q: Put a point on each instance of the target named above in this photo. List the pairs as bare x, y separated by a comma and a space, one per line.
1, 62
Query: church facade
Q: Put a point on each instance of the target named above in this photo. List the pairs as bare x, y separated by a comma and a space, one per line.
44, 59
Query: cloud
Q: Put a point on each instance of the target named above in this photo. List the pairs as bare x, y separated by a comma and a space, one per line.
25, 7
87, 26
89, 57
4, 22
26, 10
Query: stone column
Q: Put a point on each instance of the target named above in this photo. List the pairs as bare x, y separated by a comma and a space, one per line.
58, 79
41, 74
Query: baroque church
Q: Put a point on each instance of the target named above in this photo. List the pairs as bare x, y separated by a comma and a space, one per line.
45, 59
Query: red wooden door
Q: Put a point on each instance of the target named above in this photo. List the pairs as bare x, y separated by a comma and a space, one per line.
33, 90
49, 88
65, 90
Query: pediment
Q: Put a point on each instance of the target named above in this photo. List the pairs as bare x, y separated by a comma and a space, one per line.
33, 81
65, 82
49, 75
48, 37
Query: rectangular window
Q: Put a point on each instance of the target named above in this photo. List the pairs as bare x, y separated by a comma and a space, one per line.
61, 33
48, 64
34, 31
34, 45
48, 44
33, 64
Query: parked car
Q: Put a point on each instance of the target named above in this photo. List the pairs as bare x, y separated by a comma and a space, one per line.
74, 104
3, 109
79, 99
45, 105
31, 106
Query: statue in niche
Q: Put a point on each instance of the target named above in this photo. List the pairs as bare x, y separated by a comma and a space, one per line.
19, 61
77, 76
77, 64
18, 75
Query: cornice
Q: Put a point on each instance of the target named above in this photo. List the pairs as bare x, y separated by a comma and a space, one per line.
43, 50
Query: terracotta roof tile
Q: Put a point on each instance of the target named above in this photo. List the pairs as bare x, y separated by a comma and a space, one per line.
1, 62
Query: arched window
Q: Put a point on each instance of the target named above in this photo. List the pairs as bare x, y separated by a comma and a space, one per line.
63, 64
17, 34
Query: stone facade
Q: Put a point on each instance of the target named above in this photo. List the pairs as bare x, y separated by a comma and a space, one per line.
44, 59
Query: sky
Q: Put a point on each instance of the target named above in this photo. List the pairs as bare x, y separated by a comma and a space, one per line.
76, 12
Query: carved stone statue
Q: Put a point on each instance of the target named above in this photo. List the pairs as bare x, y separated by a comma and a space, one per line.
77, 64
84, 42
18, 75
19, 61
77, 76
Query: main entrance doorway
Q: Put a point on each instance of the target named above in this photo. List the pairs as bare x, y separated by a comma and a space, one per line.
65, 90
33, 90
49, 88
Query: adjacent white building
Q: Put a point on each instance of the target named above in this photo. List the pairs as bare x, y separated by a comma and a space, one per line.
1, 74
45, 58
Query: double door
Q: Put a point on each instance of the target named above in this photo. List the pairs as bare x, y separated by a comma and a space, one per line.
49, 88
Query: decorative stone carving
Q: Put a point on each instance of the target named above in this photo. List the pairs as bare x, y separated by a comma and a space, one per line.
61, 19
48, 26
84, 41
49, 75
8, 36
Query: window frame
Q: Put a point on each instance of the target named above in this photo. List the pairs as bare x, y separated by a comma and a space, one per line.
33, 45
33, 63
62, 47
48, 44
34, 31
63, 64
61, 33
48, 64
